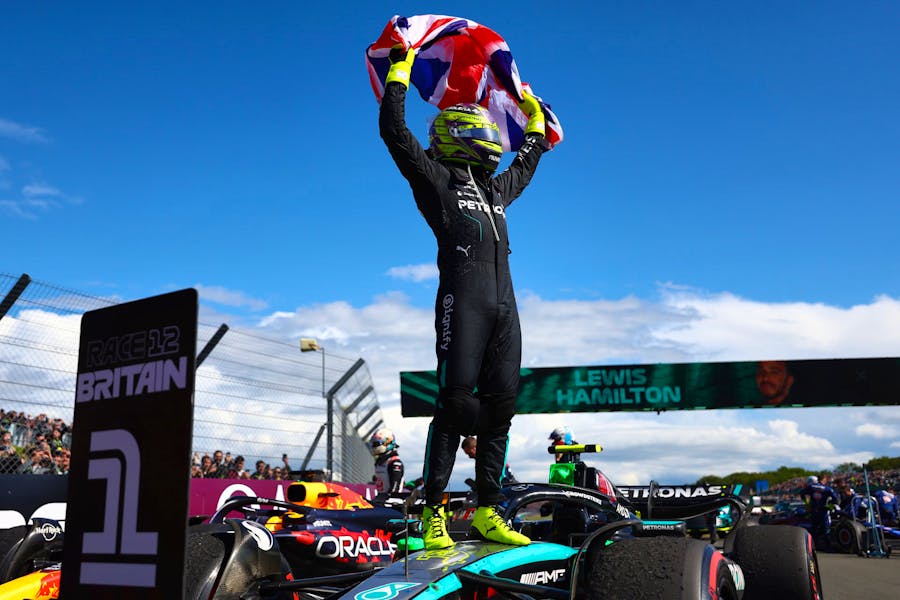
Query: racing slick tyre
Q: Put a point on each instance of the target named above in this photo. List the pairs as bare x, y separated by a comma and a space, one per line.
41, 544
778, 561
12, 567
662, 568
224, 562
849, 537
203, 559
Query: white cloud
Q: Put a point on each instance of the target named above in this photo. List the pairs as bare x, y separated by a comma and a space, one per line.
423, 272
237, 299
28, 208
40, 190
726, 327
37, 199
16, 209
392, 336
21, 133
878, 430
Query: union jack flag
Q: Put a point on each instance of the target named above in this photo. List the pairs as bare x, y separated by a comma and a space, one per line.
458, 60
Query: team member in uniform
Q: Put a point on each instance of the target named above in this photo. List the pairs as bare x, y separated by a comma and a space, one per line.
852, 505
819, 500
888, 506
388, 466
562, 435
476, 319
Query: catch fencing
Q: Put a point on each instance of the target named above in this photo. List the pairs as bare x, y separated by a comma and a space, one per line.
256, 397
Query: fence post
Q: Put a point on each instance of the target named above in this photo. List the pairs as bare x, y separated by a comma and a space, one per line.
329, 406
14, 294
312, 448
211, 344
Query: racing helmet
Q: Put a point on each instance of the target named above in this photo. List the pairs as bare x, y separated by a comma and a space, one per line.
382, 441
561, 435
811, 480
465, 133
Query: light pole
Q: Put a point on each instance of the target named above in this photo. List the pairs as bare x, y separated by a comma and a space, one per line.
312, 345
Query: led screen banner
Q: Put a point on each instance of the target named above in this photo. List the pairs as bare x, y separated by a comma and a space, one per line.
686, 386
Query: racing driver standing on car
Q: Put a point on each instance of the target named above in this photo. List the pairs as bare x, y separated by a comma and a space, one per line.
476, 319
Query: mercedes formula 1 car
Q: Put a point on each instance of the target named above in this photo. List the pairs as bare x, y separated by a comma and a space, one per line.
589, 544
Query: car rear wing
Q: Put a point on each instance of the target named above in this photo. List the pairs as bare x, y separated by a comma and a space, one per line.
657, 501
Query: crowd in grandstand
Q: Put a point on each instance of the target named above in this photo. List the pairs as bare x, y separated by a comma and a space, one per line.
878, 480
33, 444
39, 445
223, 466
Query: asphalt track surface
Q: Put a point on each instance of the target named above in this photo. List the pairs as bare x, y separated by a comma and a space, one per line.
851, 577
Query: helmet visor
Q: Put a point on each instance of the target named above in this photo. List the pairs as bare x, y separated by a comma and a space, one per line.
488, 134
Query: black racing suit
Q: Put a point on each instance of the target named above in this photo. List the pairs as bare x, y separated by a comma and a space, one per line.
479, 343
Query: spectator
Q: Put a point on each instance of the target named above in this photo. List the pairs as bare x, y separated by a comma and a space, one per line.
276, 473
36, 465
61, 462
10, 462
217, 468
260, 472
205, 465
56, 441
38, 438
6, 445
237, 468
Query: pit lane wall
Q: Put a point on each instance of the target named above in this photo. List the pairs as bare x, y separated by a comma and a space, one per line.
25, 496
686, 386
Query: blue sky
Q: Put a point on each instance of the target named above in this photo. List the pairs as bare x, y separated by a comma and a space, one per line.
726, 190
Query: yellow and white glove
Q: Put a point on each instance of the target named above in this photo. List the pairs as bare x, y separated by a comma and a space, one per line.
401, 65
532, 108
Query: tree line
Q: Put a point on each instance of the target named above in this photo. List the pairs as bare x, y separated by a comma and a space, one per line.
783, 473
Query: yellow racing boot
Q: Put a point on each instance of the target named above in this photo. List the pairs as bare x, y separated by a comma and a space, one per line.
491, 526
434, 528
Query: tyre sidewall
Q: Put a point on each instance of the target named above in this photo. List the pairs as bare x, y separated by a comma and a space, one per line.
778, 561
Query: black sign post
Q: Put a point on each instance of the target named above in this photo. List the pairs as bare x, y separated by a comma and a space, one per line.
129, 481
